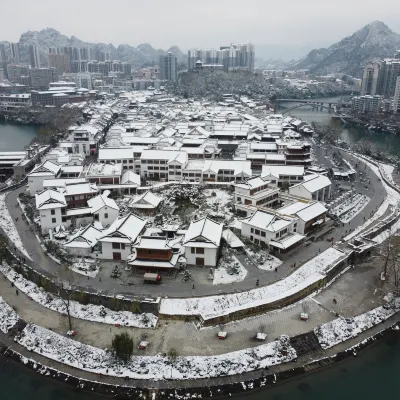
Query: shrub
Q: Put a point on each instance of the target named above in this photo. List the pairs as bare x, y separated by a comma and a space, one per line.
122, 345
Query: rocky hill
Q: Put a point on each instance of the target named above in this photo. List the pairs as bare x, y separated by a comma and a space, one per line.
141, 55
349, 56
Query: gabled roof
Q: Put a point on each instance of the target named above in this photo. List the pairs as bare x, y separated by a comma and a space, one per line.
267, 221
50, 199
313, 183
130, 177
100, 201
87, 236
286, 170
46, 168
124, 229
305, 211
204, 230
146, 200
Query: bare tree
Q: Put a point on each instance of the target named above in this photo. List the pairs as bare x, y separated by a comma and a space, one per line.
65, 284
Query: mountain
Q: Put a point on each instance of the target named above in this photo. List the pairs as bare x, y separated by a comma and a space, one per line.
137, 56
349, 56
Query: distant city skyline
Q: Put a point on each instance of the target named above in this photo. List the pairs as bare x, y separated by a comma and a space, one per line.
211, 23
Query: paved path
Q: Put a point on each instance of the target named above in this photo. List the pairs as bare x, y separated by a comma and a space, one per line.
130, 285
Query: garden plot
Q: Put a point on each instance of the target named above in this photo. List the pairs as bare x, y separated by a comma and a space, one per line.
350, 207
219, 202
342, 329
229, 272
7, 224
95, 360
8, 317
263, 260
213, 306
89, 312
87, 267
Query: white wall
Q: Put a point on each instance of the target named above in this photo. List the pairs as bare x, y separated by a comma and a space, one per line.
210, 256
112, 215
300, 191
79, 251
46, 219
107, 251
35, 183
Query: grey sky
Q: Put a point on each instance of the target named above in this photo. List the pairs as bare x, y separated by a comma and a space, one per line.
192, 23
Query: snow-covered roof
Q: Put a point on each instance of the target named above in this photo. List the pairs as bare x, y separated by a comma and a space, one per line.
125, 229
204, 230
238, 167
304, 211
232, 240
79, 188
287, 241
313, 183
286, 170
50, 199
100, 201
120, 153
85, 237
267, 221
146, 200
130, 177
100, 169
46, 168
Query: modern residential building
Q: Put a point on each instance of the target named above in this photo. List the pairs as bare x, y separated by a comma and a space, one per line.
15, 53
41, 77
18, 73
34, 56
60, 62
233, 57
168, 67
202, 242
364, 104
370, 77
396, 98
11, 101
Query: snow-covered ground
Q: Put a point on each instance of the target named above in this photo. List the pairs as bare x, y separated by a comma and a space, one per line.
264, 260
222, 276
218, 204
89, 312
392, 198
213, 306
387, 171
7, 223
92, 359
8, 317
84, 267
357, 205
341, 329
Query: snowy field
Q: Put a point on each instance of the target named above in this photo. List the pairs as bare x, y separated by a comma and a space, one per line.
392, 198
7, 223
218, 305
342, 329
92, 359
8, 317
89, 312
222, 276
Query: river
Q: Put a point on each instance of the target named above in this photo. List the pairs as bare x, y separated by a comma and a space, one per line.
370, 375
16, 137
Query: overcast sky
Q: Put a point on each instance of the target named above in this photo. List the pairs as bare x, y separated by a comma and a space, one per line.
192, 23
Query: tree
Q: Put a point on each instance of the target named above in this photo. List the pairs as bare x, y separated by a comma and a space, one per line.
4, 252
65, 282
122, 345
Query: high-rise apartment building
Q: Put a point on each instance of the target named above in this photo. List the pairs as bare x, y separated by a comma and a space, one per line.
41, 77
34, 56
15, 53
363, 104
396, 99
3, 53
233, 57
17, 73
168, 65
60, 62
370, 77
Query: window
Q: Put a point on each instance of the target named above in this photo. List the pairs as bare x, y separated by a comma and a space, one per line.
257, 232
262, 234
192, 250
53, 220
251, 238
106, 215
64, 219
116, 246
199, 250
53, 212
252, 230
